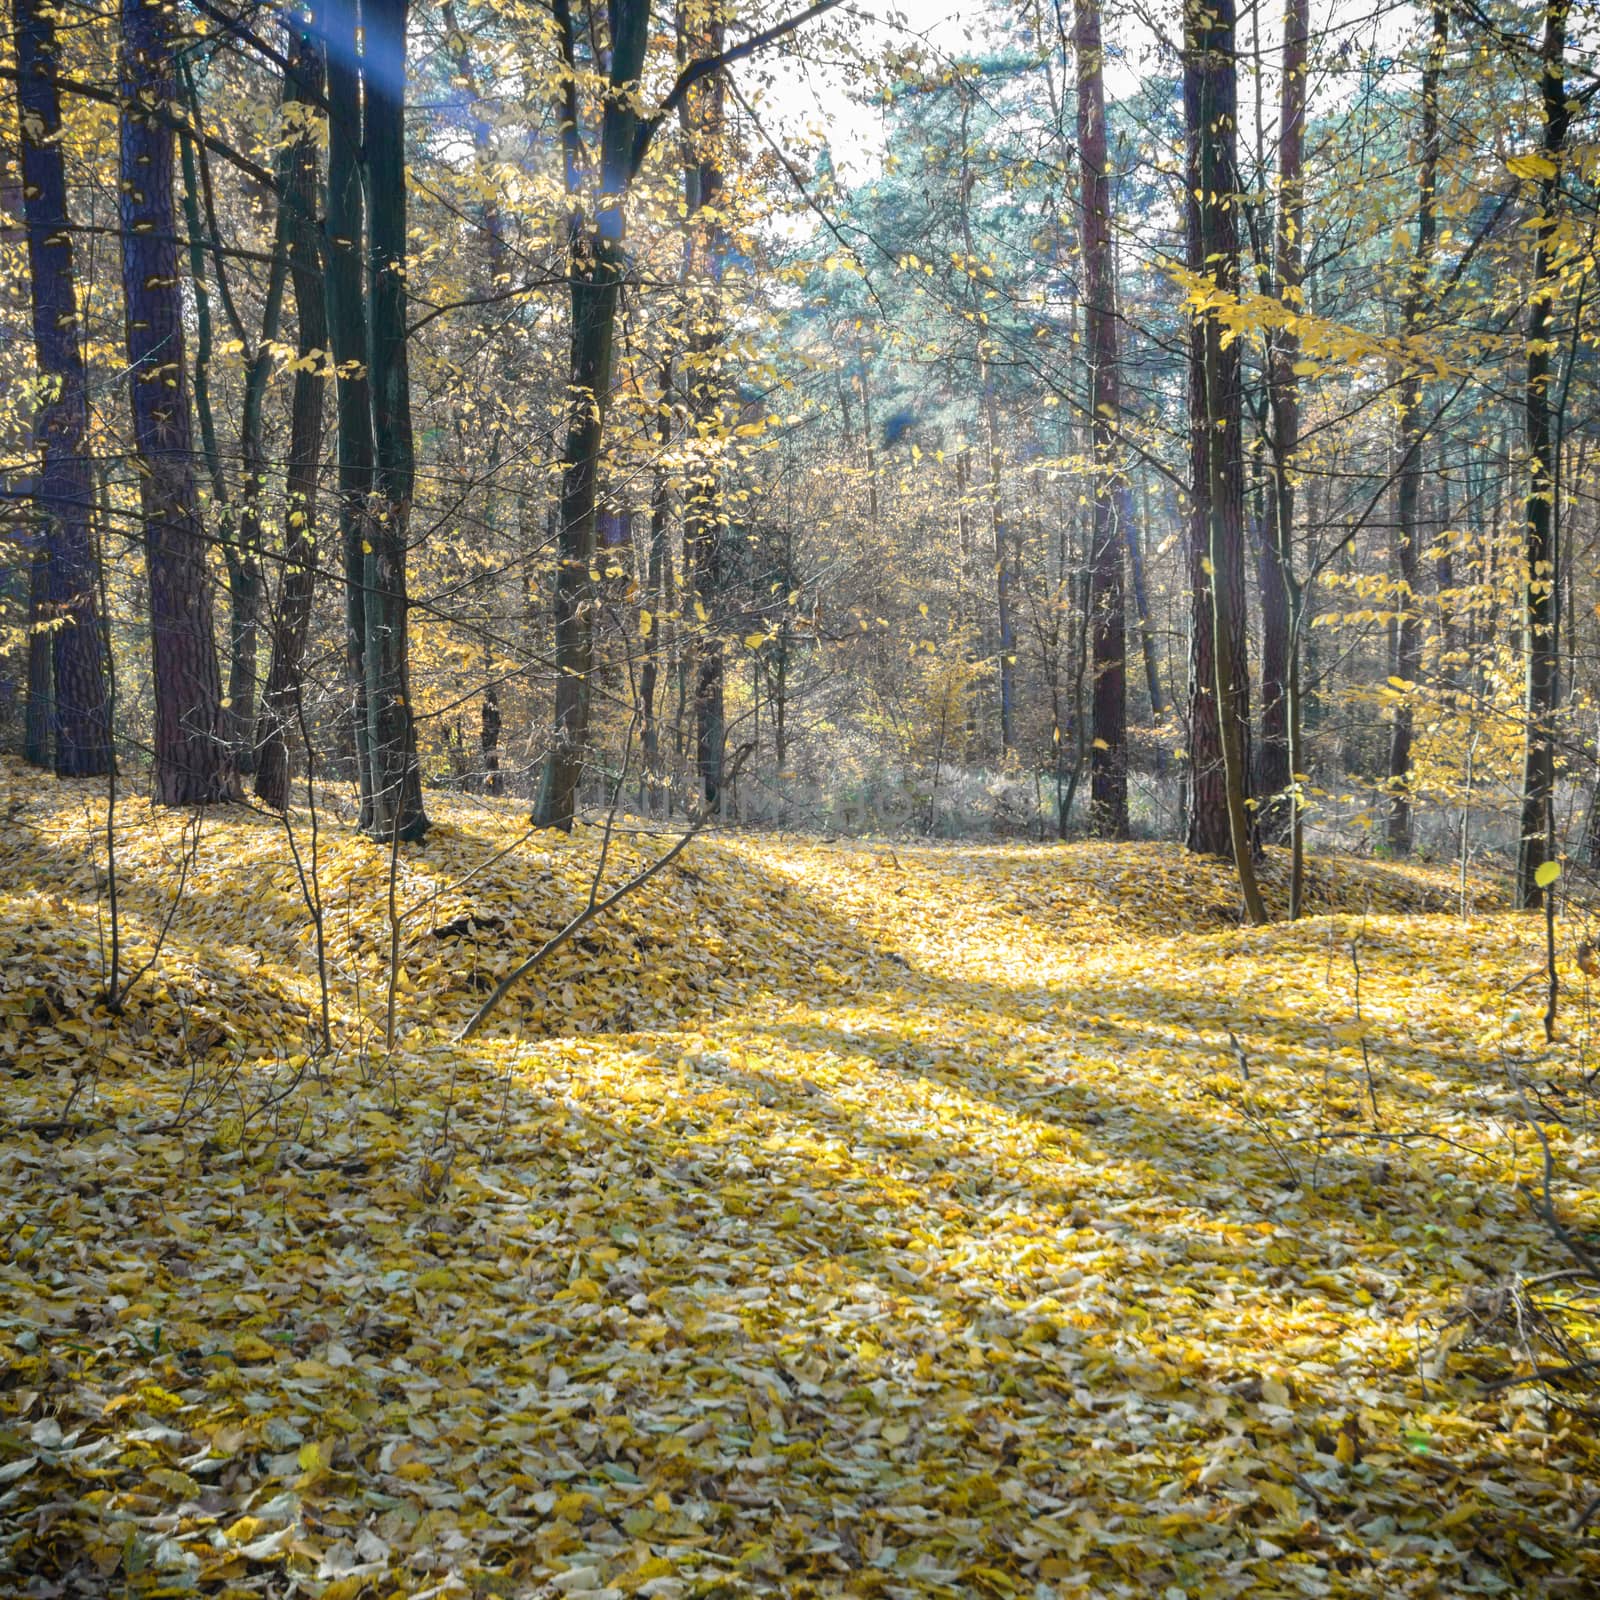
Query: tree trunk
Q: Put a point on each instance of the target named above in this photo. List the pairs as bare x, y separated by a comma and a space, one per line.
36, 713
75, 648
391, 723
1219, 819
704, 512
347, 337
281, 699
489, 740
1541, 551
658, 558
1282, 608
596, 268
1108, 758
191, 765
1409, 438
1141, 600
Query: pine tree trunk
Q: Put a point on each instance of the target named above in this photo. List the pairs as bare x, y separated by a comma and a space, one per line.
74, 650
191, 765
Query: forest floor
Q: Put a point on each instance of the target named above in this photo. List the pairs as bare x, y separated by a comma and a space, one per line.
832, 1219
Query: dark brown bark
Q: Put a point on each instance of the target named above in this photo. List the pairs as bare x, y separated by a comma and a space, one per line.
347, 337
280, 711
72, 665
191, 765
1108, 750
391, 725
597, 264
1541, 551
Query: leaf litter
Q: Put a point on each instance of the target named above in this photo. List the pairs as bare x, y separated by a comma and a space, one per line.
833, 1219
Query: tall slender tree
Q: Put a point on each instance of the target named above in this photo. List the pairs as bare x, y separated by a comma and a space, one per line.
597, 266
1282, 608
191, 765
391, 722
281, 707
1108, 757
1542, 523
705, 535
1409, 445
64, 490
347, 340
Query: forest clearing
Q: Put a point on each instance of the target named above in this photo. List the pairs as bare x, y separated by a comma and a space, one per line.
800, 798
836, 1219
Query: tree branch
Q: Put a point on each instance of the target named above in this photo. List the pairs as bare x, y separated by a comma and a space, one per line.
592, 910
706, 65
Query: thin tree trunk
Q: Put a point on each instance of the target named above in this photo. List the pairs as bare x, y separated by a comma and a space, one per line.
281, 699
597, 265
703, 504
1541, 553
36, 713
191, 757
1141, 600
347, 336
659, 556
391, 724
1409, 440
1108, 757
1282, 594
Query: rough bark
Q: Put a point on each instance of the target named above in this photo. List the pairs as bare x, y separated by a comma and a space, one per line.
704, 515
347, 339
1541, 528
1220, 687
74, 650
397, 809
596, 266
281, 698
191, 765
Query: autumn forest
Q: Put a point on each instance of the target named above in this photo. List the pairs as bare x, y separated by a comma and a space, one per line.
799, 799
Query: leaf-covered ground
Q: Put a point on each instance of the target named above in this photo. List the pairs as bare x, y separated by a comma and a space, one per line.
831, 1220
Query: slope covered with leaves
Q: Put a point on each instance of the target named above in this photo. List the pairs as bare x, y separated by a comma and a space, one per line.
831, 1220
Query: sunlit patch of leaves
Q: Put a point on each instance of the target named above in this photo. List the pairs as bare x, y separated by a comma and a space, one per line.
831, 1220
